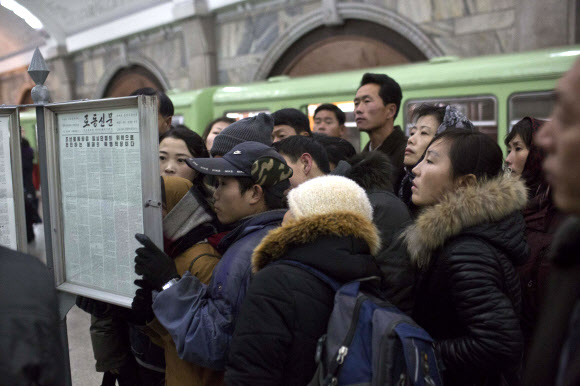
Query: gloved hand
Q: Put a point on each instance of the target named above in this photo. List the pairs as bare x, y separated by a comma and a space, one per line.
156, 267
142, 306
93, 307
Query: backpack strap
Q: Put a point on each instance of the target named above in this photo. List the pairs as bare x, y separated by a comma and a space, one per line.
331, 282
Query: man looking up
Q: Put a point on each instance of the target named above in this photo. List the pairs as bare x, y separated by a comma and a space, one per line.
329, 120
376, 106
252, 178
305, 156
289, 122
165, 111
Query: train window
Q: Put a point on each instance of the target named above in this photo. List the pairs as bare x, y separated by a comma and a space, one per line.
237, 115
481, 110
352, 134
530, 104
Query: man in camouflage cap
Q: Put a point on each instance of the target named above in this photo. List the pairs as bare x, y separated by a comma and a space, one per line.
251, 180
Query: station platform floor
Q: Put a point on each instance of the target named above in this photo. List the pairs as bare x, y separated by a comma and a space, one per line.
82, 362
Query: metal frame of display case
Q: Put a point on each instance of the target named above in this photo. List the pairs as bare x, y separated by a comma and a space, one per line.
150, 182
11, 112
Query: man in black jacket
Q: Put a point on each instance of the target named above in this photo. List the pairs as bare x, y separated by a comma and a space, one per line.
555, 354
30, 345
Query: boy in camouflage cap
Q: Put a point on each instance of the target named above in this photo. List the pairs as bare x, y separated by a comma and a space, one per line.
252, 178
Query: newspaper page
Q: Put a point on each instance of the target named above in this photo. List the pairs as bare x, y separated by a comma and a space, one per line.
100, 172
7, 211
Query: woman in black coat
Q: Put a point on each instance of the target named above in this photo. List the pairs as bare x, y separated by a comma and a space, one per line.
286, 310
466, 241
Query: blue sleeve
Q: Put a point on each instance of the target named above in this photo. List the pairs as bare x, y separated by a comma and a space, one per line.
201, 325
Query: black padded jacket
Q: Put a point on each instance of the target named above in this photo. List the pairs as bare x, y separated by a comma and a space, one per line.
468, 295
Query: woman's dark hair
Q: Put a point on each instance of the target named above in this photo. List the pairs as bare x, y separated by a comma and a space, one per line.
207, 129
426, 109
524, 129
472, 153
194, 143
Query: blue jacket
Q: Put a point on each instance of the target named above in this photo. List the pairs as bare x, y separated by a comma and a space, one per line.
201, 318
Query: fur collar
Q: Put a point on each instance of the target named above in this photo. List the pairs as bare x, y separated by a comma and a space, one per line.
306, 230
487, 201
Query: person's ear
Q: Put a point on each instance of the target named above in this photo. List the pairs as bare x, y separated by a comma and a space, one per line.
256, 193
391, 110
306, 163
342, 130
167, 120
466, 180
305, 134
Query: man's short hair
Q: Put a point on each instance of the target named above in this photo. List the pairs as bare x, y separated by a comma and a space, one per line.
390, 91
337, 149
294, 118
338, 113
296, 145
165, 105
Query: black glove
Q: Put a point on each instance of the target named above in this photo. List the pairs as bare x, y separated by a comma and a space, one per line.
142, 306
93, 307
156, 267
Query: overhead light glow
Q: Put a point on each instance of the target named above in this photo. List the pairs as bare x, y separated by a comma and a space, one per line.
22, 12
566, 53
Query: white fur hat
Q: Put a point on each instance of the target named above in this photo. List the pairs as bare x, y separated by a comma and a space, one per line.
329, 194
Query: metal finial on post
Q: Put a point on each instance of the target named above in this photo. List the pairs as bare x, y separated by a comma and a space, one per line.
38, 71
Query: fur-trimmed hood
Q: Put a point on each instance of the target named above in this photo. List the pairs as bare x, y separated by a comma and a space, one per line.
309, 229
488, 201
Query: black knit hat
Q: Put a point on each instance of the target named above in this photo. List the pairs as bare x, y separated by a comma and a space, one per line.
258, 129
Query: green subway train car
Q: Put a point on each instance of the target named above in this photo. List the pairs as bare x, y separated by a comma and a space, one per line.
493, 91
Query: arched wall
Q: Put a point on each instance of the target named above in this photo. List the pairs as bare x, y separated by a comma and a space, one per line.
120, 64
364, 12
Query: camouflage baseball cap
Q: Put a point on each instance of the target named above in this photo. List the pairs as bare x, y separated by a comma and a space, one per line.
251, 159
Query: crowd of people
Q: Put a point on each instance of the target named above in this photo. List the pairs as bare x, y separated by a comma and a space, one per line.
480, 250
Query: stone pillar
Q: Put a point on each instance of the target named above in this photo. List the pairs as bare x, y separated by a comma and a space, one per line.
200, 51
541, 24
62, 81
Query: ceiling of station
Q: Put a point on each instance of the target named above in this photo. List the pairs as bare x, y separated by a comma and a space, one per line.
64, 20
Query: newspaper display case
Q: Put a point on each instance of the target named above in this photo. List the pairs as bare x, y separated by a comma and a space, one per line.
103, 169
12, 216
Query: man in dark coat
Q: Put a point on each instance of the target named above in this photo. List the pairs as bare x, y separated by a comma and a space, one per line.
372, 172
30, 345
376, 106
329, 228
555, 354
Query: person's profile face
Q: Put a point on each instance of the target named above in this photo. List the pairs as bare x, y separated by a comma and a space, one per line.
433, 175
213, 132
517, 155
420, 136
230, 204
560, 138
